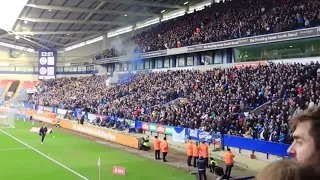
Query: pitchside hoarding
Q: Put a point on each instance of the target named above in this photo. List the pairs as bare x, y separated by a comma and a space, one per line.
47, 64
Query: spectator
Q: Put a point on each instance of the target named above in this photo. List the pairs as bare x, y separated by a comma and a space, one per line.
289, 170
305, 126
216, 100
222, 21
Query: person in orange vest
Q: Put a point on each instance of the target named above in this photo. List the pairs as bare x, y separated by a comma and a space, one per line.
195, 153
205, 153
189, 152
156, 145
164, 149
228, 160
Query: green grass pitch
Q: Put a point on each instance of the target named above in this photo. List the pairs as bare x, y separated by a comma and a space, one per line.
19, 162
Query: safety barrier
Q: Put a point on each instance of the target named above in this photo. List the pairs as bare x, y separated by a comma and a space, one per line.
256, 145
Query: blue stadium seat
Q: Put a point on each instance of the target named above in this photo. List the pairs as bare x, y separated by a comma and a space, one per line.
22, 90
1, 91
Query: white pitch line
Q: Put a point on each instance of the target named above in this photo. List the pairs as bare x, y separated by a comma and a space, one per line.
82, 177
13, 149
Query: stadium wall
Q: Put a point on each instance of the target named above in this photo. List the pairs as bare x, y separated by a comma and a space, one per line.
19, 76
25, 76
13, 56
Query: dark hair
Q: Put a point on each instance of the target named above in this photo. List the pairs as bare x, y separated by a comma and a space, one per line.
164, 138
312, 115
218, 171
228, 149
155, 136
289, 170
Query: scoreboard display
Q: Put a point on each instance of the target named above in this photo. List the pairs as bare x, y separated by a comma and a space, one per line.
47, 64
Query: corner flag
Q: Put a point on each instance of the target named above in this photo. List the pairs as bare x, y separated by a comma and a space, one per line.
99, 165
99, 162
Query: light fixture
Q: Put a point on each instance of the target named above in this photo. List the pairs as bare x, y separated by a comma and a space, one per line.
290, 46
49, 10
68, 34
163, 11
185, 3
25, 21
125, 15
17, 37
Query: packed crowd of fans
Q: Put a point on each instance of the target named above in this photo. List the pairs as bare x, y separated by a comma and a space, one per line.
224, 21
249, 101
224, 100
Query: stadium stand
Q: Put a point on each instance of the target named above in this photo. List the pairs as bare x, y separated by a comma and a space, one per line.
223, 21
27, 85
3, 85
214, 100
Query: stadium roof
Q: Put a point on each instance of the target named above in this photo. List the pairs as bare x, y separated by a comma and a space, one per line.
57, 24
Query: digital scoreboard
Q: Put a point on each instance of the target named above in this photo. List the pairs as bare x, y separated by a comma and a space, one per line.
47, 64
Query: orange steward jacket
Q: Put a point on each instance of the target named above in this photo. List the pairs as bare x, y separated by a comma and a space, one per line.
228, 157
164, 146
189, 149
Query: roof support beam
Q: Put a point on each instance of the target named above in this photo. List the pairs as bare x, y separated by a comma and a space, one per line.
67, 38
134, 2
48, 41
14, 43
4, 35
23, 39
65, 21
95, 9
35, 43
81, 10
83, 39
57, 32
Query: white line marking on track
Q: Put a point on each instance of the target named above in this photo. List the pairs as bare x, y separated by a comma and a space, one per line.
13, 149
82, 177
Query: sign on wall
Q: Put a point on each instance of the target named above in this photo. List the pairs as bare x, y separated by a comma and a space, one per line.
47, 64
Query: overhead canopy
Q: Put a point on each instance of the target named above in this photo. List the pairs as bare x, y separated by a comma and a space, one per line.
53, 24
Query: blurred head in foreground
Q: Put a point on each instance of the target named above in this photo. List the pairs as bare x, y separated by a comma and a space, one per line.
289, 170
306, 133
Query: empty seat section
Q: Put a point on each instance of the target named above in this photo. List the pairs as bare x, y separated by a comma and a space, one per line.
3, 85
24, 87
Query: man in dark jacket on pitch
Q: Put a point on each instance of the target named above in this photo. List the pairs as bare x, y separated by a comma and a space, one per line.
201, 168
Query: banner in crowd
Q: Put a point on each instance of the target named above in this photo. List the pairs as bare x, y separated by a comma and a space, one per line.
161, 129
131, 123
250, 64
91, 117
158, 128
169, 130
40, 109
179, 135
205, 136
193, 134
152, 127
101, 116
62, 111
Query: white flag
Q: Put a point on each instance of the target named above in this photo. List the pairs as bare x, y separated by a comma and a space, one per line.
99, 162
179, 137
